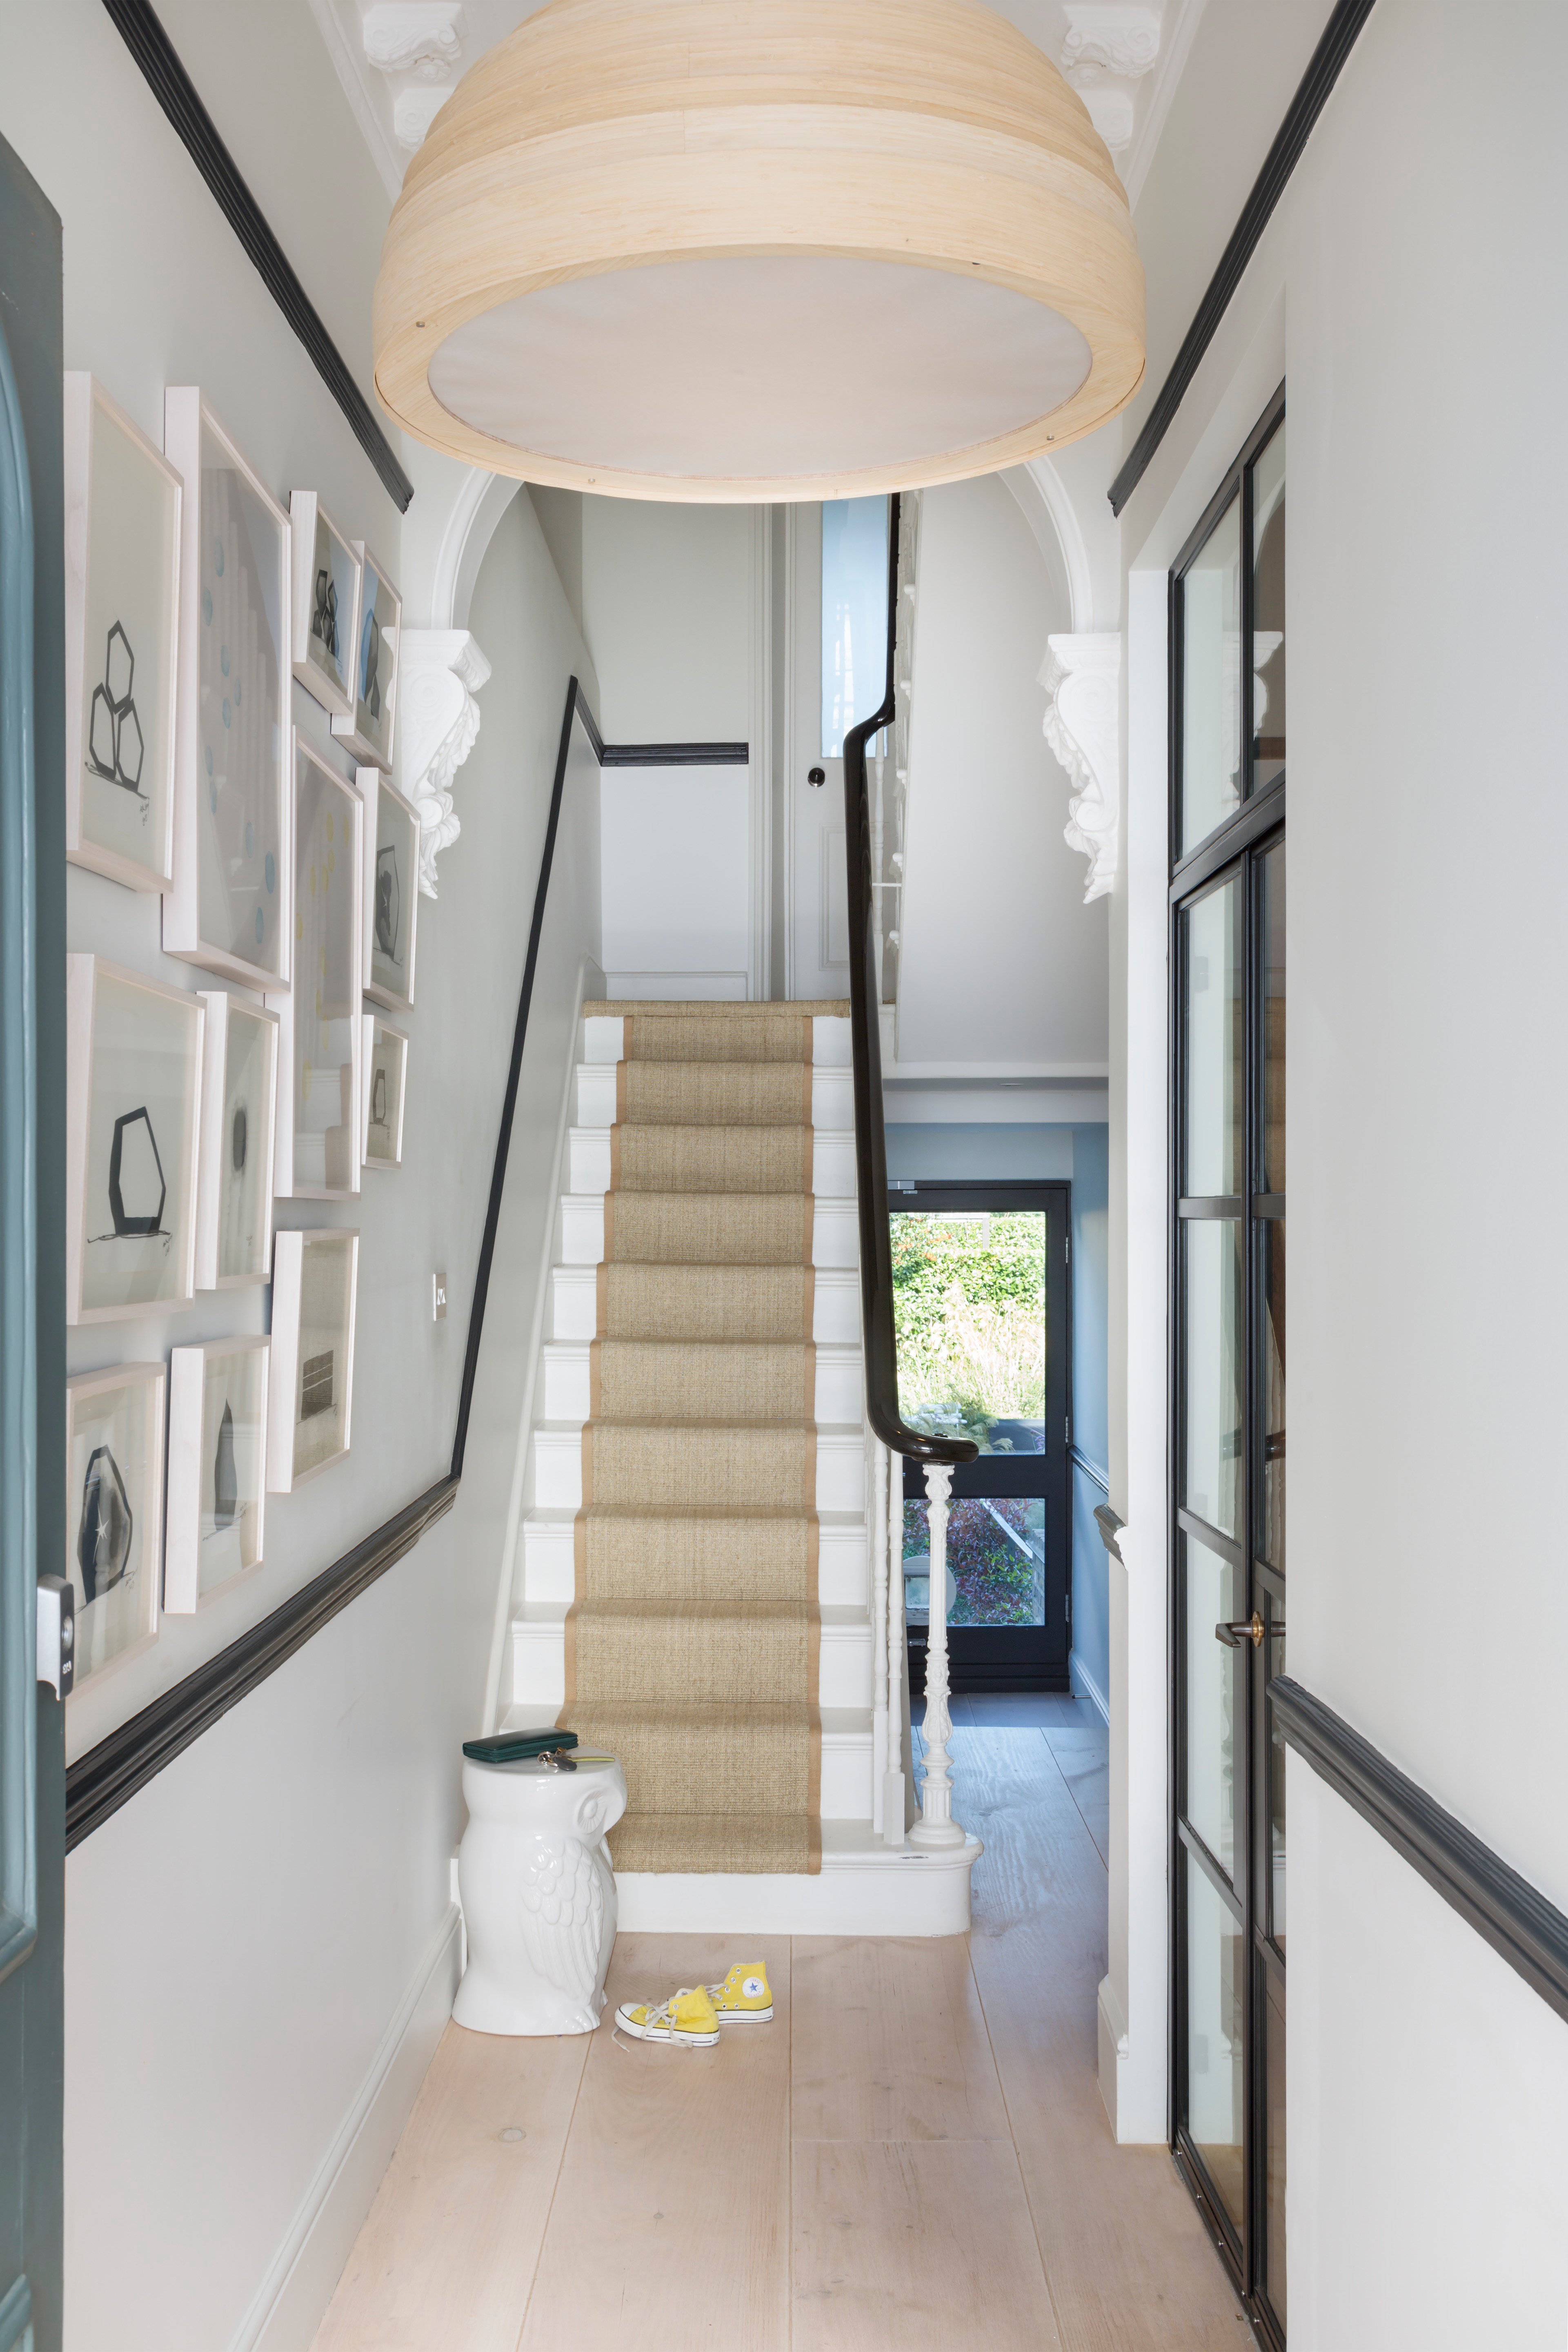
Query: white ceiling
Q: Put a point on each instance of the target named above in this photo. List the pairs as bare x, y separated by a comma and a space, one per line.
400, 59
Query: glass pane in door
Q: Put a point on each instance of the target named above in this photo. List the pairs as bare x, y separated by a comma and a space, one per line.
854, 615
1211, 1016
1211, 1368
1271, 2008
996, 1561
1211, 681
1213, 1700
1215, 1975
1271, 884
969, 1304
1269, 611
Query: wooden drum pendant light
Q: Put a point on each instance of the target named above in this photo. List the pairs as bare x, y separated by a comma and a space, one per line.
758, 249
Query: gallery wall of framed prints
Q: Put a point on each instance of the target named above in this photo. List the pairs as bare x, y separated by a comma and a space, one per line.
284, 865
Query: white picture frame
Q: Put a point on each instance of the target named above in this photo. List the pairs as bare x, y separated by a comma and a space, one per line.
370, 731
391, 837
133, 1062
328, 573
123, 504
228, 906
315, 1286
114, 1513
320, 1026
385, 1061
238, 1143
216, 1522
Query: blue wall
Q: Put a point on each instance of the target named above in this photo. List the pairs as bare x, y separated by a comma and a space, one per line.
979, 1154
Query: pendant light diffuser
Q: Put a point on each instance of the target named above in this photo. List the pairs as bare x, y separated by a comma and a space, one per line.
758, 249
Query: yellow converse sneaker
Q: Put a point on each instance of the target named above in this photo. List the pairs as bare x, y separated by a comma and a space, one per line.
744, 1997
688, 2018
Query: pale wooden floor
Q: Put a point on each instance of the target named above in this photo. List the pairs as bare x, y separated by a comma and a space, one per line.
913, 2155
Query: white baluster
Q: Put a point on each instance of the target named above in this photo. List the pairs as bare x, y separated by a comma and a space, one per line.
892, 1797
936, 1826
876, 1536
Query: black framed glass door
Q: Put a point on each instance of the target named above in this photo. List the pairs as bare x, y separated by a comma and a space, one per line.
1228, 1369
981, 1307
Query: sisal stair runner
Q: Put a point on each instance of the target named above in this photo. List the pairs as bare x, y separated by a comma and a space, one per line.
691, 1645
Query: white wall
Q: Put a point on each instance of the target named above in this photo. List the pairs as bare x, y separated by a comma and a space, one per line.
259, 1944
999, 960
1398, 289
667, 609
677, 881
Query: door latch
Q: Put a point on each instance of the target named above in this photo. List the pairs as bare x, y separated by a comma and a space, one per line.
57, 1635
1252, 1628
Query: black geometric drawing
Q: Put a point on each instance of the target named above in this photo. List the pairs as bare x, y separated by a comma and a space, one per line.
369, 665
239, 1131
115, 749
379, 1100
389, 901
324, 620
316, 1385
226, 1478
103, 1538
135, 1167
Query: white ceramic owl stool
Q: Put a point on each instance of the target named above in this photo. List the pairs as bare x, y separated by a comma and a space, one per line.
538, 1895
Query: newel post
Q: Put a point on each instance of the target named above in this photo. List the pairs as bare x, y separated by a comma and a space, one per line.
936, 1826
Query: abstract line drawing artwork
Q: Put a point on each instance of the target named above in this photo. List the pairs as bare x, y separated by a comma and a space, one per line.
225, 1479
389, 901
123, 507
316, 1385
324, 619
106, 1526
371, 665
135, 1167
115, 749
239, 1133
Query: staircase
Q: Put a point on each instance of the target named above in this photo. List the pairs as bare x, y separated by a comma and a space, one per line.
697, 1579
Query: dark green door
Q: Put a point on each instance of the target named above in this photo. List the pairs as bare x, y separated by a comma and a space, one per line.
32, 1255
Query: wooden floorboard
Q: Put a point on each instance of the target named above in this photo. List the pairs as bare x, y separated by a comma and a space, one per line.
1130, 2266
447, 2256
671, 2225
913, 2154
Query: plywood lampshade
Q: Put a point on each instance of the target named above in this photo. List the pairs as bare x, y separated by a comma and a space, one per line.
758, 249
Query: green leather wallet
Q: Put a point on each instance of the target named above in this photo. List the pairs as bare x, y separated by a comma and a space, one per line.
516, 1746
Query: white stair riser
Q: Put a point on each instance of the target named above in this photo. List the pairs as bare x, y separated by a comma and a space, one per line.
538, 1680
558, 1471
567, 1379
834, 1234
603, 1040
549, 1564
833, 1162
835, 1311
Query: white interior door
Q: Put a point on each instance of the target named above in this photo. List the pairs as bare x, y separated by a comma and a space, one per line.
817, 908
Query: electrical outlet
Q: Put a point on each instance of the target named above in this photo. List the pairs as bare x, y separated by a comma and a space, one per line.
438, 1298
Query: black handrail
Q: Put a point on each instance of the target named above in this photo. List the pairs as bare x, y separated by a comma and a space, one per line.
865, 1034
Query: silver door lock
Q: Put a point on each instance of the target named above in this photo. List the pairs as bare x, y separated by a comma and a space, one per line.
438, 1298
57, 1635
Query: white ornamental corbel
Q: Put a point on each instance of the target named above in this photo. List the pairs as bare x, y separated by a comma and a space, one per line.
1081, 675
440, 672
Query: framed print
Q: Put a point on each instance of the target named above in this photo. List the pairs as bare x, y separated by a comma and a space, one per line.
227, 907
325, 604
217, 1468
133, 1062
122, 579
114, 1511
235, 1164
392, 830
315, 1280
368, 733
386, 1074
318, 1154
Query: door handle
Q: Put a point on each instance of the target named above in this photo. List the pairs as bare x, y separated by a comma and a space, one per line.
1234, 1635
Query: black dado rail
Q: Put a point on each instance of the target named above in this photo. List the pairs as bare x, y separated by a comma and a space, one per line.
100, 1782
1516, 1919
871, 1142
